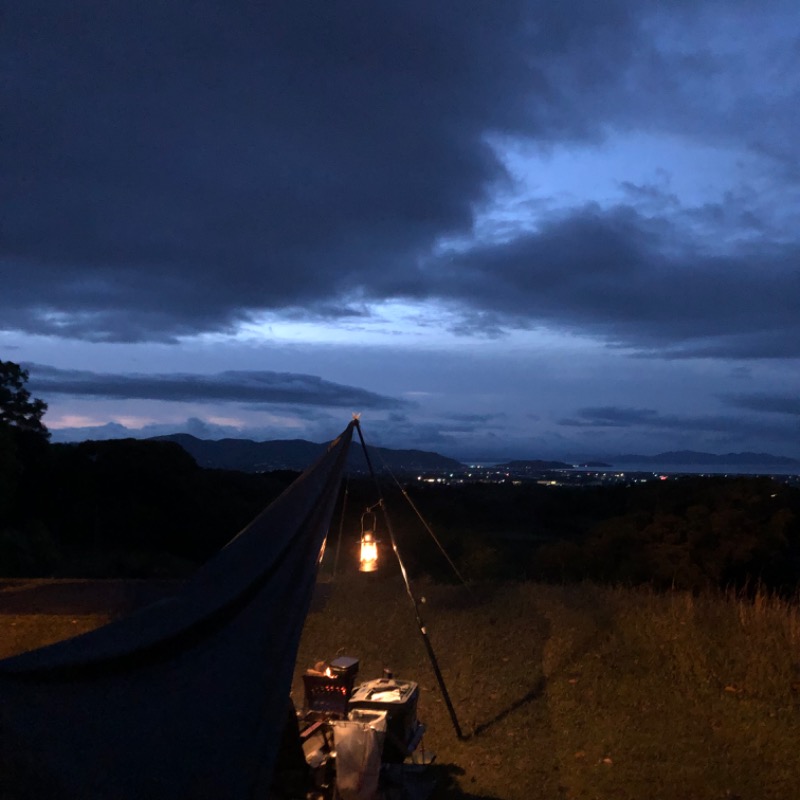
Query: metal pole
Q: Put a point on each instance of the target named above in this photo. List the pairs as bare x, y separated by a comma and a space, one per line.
420, 623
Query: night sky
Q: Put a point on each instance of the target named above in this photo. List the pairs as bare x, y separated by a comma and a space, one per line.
529, 229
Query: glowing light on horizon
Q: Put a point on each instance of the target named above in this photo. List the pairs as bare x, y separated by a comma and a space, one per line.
73, 421
231, 422
134, 422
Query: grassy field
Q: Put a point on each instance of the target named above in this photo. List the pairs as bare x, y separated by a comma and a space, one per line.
587, 692
568, 691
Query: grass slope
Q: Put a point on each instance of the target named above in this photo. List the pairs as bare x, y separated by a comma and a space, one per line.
587, 692
576, 691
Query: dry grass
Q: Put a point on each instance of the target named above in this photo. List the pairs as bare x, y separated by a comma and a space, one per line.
569, 692
588, 692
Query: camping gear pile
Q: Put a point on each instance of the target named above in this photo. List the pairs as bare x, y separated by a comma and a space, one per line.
356, 738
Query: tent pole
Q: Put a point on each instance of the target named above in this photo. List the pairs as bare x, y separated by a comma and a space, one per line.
420, 623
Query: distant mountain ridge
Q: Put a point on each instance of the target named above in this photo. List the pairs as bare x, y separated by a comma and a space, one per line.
710, 459
246, 455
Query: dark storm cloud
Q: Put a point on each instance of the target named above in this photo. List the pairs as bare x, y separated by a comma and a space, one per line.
611, 417
476, 419
634, 281
172, 168
459, 424
768, 403
257, 388
207, 160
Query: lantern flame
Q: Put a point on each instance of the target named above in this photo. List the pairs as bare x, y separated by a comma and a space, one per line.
369, 553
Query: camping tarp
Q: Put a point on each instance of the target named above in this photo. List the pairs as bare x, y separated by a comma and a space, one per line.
187, 697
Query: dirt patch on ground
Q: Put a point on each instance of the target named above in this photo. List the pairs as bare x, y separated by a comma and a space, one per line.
38, 612
76, 597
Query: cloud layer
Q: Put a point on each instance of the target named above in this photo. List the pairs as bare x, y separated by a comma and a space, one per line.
251, 388
171, 172
578, 214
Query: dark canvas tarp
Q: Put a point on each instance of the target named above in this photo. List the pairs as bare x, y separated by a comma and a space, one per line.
186, 698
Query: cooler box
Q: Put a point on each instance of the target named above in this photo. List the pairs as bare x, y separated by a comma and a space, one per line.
399, 700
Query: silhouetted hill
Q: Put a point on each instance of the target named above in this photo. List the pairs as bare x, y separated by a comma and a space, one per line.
297, 454
693, 457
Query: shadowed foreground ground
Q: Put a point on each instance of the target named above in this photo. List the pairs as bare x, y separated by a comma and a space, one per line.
564, 692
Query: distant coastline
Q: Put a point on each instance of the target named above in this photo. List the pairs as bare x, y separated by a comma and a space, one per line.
687, 462
692, 462
684, 457
698, 469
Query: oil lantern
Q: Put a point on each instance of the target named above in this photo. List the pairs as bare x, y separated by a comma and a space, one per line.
369, 544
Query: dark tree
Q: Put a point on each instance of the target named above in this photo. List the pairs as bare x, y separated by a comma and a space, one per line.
17, 408
26, 546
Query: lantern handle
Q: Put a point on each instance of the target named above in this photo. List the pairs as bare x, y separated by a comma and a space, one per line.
369, 512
